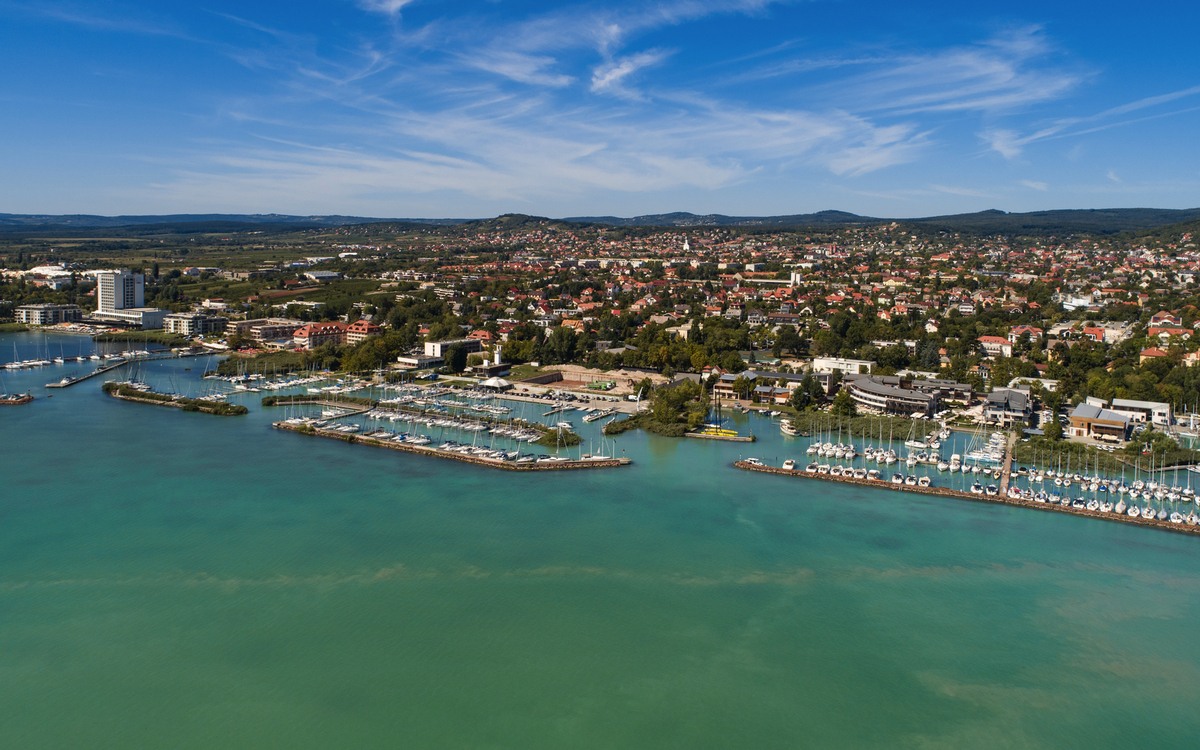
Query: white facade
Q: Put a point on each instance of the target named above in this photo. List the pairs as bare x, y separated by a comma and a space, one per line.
847, 366
1154, 412
119, 290
142, 317
439, 348
48, 315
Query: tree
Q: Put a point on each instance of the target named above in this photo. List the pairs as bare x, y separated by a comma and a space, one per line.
789, 340
843, 405
456, 358
1053, 430
799, 399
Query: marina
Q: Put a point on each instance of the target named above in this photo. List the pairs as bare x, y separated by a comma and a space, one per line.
981, 467
457, 452
1189, 525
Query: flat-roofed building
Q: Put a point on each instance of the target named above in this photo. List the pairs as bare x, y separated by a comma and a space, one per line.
48, 315
265, 329
119, 290
418, 361
846, 366
135, 317
1154, 412
120, 297
194, 324
439, 348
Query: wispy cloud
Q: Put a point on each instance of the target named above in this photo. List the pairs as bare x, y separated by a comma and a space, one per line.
1002, 73
969, 192
520, 67
1113, 176
390, 7
1035, 185
611, 77
1009, 144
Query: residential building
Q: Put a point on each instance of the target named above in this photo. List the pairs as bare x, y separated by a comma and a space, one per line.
361, 330
194, 324
316, 335
996, 346
1017, 331
265, 329
1008, 406
48, 315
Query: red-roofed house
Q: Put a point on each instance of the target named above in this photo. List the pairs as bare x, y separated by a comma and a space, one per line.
1164, 332
996, 346
1016, 332
360, 331
1164, 318
316, 335
1151, 353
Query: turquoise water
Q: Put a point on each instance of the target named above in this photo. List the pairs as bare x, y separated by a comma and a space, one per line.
188, 581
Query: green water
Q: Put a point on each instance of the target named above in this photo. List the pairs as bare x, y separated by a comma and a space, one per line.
188, 581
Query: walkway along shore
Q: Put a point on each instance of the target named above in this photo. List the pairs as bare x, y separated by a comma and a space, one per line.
435, 452
1000, 499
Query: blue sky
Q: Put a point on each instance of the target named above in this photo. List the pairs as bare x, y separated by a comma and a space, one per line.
440, 108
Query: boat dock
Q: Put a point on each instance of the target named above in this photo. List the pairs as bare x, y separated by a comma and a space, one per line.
718, 436
599, 463
68, 382
1001, 498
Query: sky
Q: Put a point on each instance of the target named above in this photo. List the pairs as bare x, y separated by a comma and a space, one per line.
475, 108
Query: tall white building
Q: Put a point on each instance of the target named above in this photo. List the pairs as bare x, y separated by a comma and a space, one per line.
120, 297
120, 290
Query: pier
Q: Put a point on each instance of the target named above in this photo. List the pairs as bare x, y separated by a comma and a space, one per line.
729, 438
437, 453
68, 382
1001, 499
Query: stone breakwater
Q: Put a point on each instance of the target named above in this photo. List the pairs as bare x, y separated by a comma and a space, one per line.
1001, 499
438, 453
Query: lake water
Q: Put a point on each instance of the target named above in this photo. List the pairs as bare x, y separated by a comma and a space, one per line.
190, 581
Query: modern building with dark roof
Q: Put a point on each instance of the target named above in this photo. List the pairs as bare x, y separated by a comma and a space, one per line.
1006, 406
879, 395
1090, 421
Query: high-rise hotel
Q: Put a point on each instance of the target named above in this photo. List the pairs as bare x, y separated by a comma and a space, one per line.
120, 296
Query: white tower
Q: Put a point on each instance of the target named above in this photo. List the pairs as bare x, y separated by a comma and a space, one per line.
686, 246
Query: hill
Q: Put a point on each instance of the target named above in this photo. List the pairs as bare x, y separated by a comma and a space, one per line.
1055, 222
1067, 221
